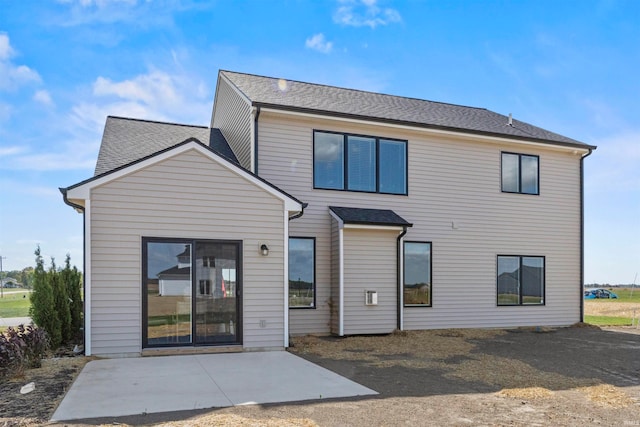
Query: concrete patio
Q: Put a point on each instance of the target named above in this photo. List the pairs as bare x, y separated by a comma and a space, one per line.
119, 387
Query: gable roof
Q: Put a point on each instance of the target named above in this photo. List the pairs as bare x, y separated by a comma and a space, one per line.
361, 216
82, 190
291, 95
126, 140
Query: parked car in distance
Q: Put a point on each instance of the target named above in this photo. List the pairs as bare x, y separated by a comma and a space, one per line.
599, 293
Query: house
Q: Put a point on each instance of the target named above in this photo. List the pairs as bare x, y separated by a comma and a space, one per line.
306, 208
10, 283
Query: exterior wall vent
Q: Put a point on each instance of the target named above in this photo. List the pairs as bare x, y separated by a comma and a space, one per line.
370, 297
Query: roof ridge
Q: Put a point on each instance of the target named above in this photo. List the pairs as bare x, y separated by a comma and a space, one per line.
357, 90
133, 119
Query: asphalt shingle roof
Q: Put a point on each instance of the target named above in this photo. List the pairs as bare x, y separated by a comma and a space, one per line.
127, 140
369, 216
331, 100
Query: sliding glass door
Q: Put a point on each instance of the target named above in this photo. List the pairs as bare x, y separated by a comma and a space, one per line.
216, 318
191, 292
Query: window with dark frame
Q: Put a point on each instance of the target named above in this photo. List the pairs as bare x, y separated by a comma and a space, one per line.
521, 280
417, 274
359, 163
302, 272
520, 173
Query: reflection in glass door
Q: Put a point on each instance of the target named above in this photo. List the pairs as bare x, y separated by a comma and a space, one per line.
168, 293
215, 299
190, 292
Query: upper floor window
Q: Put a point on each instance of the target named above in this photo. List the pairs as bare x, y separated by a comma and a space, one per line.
359, 163
520, 173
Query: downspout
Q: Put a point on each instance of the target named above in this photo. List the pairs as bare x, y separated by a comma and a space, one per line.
80, 209
341, 282
582, 234
287, 338
255, 141
400, 298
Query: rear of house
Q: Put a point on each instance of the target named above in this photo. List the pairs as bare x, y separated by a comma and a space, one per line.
313, 209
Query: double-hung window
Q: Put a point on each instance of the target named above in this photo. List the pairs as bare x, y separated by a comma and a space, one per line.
520, 280
359, 163
302, 272
520, 173
417, 274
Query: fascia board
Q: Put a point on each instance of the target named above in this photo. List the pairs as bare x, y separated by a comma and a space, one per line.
373, 227
337, 218
83, 191
235, 88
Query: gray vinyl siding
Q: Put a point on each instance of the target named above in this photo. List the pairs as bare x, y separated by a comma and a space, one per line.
232, 115
185, 196
451, 179
369, 265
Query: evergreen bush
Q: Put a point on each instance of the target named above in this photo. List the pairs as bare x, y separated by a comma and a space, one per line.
56, 301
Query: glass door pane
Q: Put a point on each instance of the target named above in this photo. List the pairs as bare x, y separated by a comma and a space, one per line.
216, 318
168, 288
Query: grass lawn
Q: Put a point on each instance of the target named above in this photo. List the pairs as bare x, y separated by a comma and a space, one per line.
607, 320
15, 304
624, 294
627, 294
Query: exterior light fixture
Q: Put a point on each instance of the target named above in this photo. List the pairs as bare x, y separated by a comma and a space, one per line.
264, 249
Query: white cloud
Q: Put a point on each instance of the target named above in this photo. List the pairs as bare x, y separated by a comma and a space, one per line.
12, 76
5, 111
43, 97
157, 95
365, 13
11, 150
6, 51
319, 43
614, 165
141, 13
149, 88
97, 3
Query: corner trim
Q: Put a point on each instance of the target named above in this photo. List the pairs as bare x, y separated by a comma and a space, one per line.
582, 234
87, 278
286, 279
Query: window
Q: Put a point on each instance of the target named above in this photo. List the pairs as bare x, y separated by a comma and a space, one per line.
520, 173
520, 280
302, 272
417, 274
359, 163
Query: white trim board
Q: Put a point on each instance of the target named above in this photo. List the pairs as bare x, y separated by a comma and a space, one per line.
83, 192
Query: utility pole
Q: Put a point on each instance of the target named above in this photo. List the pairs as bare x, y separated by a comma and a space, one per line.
1, 274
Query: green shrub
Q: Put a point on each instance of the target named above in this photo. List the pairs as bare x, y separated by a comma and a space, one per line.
72, 279
56, 301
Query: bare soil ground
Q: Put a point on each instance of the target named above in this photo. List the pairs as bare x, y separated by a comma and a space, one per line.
522, 377
51, 381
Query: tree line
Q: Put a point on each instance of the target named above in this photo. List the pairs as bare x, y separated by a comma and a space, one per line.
24, 276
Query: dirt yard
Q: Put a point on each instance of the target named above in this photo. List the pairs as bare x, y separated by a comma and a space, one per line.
51, 382
522, 377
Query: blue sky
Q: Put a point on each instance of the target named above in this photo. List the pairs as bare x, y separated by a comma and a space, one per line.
568, 66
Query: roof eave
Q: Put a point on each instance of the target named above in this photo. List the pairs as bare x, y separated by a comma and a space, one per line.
80, 191
577, 144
